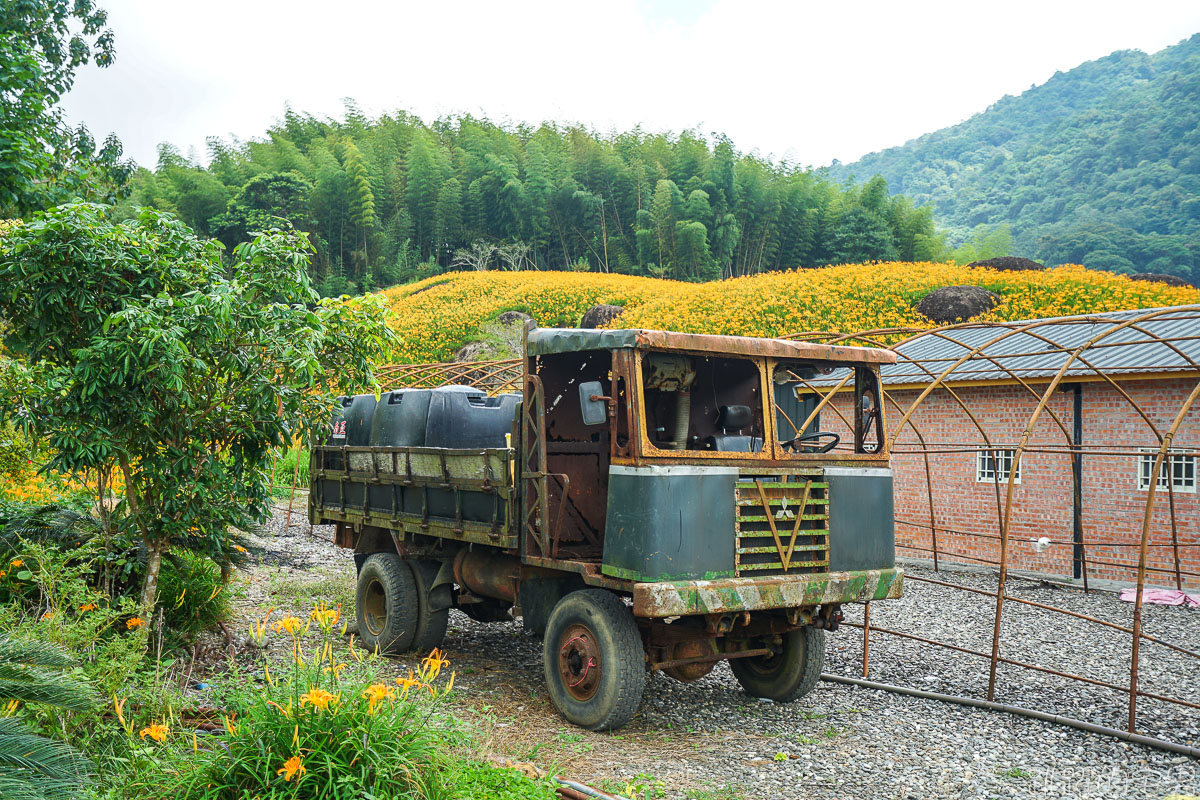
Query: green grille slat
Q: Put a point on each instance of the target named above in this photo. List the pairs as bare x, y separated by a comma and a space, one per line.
755, 543
779, 565
788, 520
772, 549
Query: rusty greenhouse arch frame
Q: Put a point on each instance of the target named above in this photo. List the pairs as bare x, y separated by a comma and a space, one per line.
936, 377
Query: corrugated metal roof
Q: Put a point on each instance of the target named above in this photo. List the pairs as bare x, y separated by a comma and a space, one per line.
544, 341
1122, 343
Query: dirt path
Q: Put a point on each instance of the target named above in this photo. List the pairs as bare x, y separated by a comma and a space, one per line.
710, 741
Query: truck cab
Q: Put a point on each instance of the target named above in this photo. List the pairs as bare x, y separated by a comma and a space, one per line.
647, 501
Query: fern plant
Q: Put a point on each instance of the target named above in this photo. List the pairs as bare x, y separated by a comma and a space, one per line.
33, 767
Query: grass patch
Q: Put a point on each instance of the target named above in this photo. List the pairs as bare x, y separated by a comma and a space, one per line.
824, 736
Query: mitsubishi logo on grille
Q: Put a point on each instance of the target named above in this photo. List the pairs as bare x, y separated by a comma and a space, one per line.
784, 513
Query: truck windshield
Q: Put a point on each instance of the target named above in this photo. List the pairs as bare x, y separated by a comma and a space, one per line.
695, 402
823, 407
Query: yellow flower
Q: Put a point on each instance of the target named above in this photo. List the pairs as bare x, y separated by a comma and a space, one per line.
376, 693
434, 662
157, 732
258, 629
240, 549
287, 712
87, 607
335, 669
16, 562
326, 617
289, 624
318, 698
407, 683
119, 705
134, 622
292, 767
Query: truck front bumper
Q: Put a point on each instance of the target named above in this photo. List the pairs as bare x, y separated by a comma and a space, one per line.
683, 598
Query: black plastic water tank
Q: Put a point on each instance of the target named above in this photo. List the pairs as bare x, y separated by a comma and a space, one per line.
330, 492
358, 415
463, 417
400, 418
399, 421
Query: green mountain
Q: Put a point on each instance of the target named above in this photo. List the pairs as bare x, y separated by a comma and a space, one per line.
1099, 165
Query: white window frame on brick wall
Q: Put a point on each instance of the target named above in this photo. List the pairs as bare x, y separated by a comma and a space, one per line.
1181, 468
996, 470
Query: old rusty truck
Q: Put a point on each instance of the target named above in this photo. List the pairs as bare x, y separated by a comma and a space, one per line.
647, 501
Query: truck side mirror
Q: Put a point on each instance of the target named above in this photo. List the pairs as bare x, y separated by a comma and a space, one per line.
592, 403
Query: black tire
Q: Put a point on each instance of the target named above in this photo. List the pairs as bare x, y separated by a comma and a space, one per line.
386, 604
591, 634
788, 675
433, 606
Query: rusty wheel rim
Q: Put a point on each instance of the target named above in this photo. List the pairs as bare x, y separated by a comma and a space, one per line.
579, 662
375, 607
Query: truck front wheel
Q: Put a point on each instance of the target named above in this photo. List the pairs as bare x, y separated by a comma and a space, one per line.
593, 658
386, 601
787, 675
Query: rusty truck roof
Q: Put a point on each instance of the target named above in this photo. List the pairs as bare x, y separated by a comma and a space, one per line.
545, 341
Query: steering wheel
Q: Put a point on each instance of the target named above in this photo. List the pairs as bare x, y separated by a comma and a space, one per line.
800, 440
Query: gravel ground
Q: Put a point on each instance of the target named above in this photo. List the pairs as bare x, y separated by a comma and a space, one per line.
709, 740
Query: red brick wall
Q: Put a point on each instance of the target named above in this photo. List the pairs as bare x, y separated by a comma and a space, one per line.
966, 511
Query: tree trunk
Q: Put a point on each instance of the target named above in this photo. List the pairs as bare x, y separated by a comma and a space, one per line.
154, 554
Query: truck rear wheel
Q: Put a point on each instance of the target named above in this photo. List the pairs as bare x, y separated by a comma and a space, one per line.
386, 602
433, 610
593, 659
787, 675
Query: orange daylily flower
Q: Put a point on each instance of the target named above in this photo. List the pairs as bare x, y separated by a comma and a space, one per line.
158, 732
434, 662
294, 766
318, 698
376, 693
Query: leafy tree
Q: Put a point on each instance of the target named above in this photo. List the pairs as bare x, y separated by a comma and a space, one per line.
421, 192
448, 219
260, 204
138, 351
575, 197
362, 199
985, 242
42, 161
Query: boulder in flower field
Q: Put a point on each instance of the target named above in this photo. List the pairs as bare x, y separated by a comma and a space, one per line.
1158, 277
1008, 264
957, 303
513, 318
599, 315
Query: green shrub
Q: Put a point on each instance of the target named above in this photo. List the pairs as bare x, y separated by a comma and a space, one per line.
285, 468
470, 781
191, 594
113, 561
33, 767
326, 726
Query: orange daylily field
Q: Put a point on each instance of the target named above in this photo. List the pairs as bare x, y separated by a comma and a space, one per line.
435, 317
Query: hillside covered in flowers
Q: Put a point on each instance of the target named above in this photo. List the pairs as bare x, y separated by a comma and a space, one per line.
437, 316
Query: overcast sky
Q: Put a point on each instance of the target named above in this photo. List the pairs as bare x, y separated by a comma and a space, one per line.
803, 81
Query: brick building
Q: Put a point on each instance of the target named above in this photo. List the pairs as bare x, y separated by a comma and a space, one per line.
1098, 436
